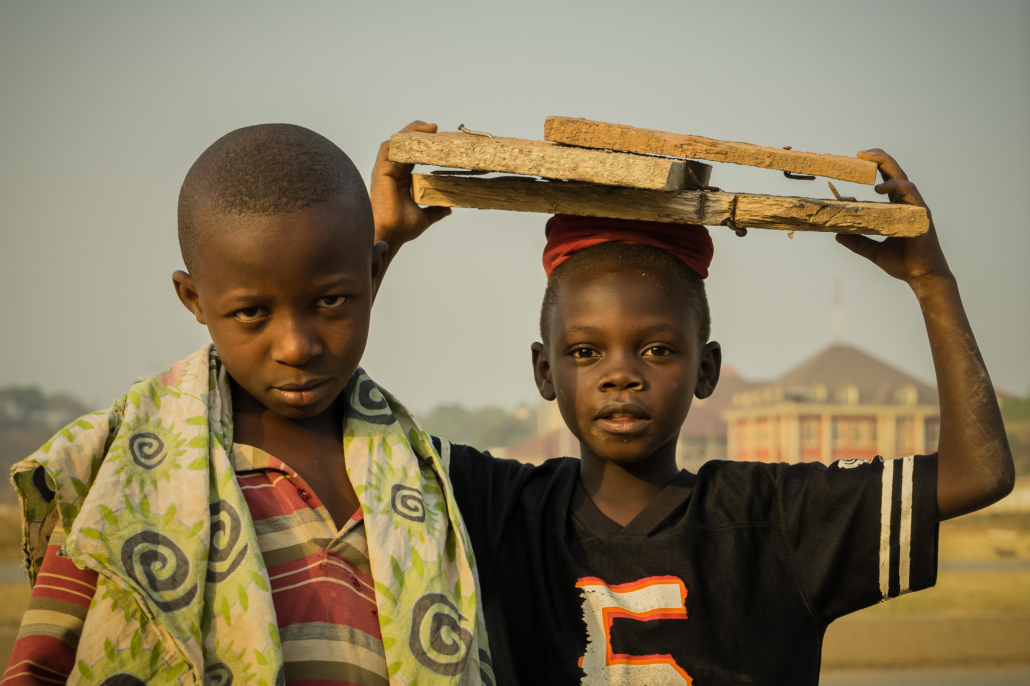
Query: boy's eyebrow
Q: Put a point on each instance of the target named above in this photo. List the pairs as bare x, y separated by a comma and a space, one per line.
336, 280
583, 329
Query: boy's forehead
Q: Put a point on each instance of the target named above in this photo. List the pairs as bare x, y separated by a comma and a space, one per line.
329, 232
609, 297
342, 220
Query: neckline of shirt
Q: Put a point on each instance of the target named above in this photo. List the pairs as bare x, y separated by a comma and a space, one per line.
651, 518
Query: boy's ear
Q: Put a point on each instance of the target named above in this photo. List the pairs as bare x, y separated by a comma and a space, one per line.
542, 372
708, 372
379, 253
188, 296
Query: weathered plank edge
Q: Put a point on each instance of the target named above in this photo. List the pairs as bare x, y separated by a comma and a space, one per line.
541, 158
606, 136
742, 210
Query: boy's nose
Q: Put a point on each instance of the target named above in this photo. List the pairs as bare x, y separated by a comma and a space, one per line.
295, 343
622, 376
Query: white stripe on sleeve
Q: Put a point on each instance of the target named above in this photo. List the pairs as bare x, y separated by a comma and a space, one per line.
886, 499
905, 533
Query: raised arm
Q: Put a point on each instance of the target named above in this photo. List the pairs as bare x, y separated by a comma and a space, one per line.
397, 218
974, 464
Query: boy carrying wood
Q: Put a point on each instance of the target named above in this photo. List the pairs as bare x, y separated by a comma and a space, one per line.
619, 568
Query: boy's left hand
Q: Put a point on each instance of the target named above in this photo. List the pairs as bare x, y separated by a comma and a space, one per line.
916, 260
397, 218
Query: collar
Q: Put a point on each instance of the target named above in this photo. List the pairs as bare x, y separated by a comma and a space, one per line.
650, 520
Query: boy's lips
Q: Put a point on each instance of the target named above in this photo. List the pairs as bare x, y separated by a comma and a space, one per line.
302, 394
623, 419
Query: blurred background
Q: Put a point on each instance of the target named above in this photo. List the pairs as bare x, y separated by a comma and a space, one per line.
104, 106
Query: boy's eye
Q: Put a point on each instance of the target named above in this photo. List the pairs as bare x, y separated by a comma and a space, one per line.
331, 301
249, 314
584, 353
658, 351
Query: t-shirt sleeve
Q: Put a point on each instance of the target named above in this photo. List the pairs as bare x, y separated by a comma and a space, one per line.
860, 532
44, 652
485, 488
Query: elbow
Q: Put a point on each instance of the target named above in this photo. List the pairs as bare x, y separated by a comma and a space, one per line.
1001, 480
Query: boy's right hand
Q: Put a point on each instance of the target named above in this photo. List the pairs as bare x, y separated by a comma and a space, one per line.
397, 218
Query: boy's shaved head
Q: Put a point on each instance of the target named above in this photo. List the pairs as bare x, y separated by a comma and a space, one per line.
264, 170
666, 271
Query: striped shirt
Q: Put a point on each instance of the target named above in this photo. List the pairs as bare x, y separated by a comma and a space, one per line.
321, 579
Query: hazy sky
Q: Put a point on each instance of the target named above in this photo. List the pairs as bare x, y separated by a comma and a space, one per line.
104, 106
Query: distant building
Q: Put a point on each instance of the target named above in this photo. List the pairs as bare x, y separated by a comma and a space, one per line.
704, 434
841, 404
553, 438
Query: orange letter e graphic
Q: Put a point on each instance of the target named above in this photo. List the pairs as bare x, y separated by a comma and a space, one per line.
656, 597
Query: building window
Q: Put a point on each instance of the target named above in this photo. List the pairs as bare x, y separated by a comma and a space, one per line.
848, 395
809, 432
837, 433
906, 395
817, 393
903, 433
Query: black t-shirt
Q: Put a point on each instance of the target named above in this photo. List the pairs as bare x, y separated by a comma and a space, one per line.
729, 576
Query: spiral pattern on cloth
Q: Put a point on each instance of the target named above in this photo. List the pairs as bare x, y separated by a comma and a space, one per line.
226, 529
147, 449
218, 674
147, 553
437, 639
407, 502
368, 404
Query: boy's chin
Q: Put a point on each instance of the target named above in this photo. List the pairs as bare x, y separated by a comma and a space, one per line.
622, 452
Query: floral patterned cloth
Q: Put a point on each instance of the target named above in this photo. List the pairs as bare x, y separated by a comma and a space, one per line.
145, 494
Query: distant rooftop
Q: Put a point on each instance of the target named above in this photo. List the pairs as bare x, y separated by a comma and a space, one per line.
842, 366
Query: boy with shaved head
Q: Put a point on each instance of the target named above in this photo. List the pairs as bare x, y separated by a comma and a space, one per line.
619, 568
262, 510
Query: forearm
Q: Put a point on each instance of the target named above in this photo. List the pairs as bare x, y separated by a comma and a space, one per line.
974, 461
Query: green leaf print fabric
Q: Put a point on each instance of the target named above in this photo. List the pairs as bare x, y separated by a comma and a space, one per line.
145, 494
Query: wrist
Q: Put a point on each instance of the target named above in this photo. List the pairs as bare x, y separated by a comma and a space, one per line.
929, 286
389, 234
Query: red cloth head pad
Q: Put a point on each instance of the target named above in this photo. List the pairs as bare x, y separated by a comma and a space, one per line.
566, 234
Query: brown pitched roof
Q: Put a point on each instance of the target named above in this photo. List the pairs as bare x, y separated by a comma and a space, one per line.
841, 365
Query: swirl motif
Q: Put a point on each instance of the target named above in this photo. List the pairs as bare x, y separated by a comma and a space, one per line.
123, 680
218, 674
437, 639
42, 487
147, 550
369, 404
225, 534
147, 449
407, 502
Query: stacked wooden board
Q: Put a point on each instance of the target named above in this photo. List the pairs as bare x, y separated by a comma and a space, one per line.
597, 169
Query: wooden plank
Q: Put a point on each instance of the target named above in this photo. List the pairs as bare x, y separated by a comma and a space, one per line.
539, 158
585, 133
683, 207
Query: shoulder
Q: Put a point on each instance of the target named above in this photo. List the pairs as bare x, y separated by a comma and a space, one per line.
480, 471
464, 461
729, 492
